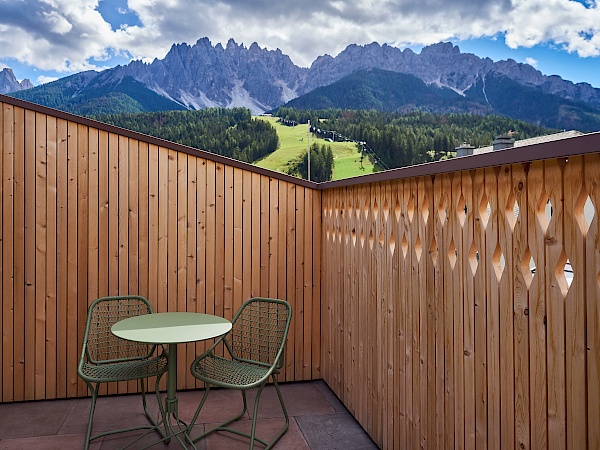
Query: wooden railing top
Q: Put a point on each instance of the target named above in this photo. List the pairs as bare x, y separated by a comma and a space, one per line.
564, 148
579, 145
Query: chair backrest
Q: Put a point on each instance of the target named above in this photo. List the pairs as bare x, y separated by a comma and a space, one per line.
101, 345
259, 331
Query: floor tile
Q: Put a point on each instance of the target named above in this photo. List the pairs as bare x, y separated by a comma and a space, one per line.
337, 431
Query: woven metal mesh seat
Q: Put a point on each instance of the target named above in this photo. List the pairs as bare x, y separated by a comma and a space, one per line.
255, 346
107, 358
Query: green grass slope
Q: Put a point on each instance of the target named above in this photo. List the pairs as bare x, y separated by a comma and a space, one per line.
294, 143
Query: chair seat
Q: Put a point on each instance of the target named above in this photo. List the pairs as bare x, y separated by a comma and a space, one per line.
123, 371
228, 373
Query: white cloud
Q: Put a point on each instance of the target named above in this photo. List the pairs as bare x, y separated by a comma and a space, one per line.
531, 61
65, 35
42, 79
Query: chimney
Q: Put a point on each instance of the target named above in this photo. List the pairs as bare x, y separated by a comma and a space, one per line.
504, 141
464, 150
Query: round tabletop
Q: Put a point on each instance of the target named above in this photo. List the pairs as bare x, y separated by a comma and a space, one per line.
171, 327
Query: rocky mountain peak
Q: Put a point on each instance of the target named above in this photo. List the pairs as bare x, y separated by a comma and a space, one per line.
445, 48
9, 83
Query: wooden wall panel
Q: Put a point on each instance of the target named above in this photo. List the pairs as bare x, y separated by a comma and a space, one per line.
414, 299
87, 213
483, 351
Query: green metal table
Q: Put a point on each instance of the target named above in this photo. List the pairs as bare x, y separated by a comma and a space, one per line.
171, 328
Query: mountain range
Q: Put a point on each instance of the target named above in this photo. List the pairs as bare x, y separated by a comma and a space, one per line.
203, 75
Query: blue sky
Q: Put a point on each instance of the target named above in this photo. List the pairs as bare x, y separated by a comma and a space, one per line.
46, 39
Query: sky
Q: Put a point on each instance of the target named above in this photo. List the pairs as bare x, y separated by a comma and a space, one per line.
43, 40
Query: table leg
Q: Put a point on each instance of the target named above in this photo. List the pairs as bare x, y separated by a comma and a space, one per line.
171, 400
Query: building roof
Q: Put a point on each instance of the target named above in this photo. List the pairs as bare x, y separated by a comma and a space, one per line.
535, 140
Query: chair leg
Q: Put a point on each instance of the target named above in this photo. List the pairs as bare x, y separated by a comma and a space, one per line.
254, 417
287, 419
92, 409
220, 427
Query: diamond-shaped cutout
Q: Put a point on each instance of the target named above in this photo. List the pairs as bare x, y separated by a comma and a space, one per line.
528, 267
342, 210
583, 201
349, 211
564, 274
433, 251
371, 239
381, 239
425, 209
392, 244
461, 210
498, 262
362, 238
452, 254
544, 212
386, 210
442, 210
473, 258
339, 235
366, 209
397, 210
404, 246
346, 235
353, 236
328, 233
375, 209
588, 210
512, 211
485, 210
410, 208
418, 248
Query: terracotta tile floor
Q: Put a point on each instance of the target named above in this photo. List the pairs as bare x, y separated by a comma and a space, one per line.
318, 420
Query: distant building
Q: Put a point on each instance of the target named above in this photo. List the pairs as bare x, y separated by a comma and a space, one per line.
507, 141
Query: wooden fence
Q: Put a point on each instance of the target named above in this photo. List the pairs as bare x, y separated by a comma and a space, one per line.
90, 210
437, 333
433, 300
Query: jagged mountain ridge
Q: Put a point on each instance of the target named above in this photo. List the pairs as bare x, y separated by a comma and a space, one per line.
9, 83
203, 75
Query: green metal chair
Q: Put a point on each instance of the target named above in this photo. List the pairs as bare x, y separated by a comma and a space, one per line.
106, 358
255, 345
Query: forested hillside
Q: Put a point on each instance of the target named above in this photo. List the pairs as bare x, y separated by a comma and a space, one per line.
227, 132
412, 138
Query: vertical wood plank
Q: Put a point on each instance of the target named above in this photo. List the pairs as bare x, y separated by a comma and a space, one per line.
308, 284
493, 265
592, 276
299, 301
103, 214
40, 255
191, 255
61, 257
72, 254
536, 204
470, 307
143, 218
521, 310
575, 302
182, 255
291, 281
9, 140
230, 256
18, 247
30, 272
482, 220
154, 221
316, 285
